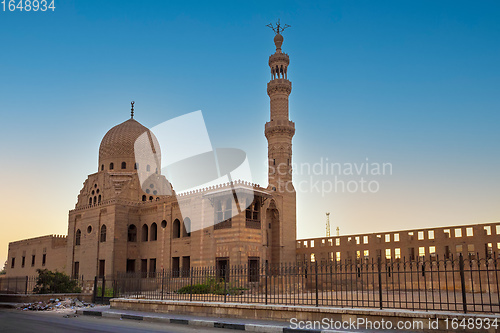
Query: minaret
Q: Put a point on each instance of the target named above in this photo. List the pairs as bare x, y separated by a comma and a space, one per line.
280, 130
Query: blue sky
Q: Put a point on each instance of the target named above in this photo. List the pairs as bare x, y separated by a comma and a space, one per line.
415, 84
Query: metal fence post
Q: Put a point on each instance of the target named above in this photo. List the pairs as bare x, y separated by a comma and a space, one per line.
162, 282
94, 292
225, 283
103, 290
316, 282
190, 284
380, 282
265, 276
462, 281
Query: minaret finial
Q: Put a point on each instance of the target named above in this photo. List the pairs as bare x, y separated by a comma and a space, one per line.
132, 112
278, 28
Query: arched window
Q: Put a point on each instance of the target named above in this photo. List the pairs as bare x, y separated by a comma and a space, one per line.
228, 209
132, 233
78, 237
124, 165
103, 233
111, 166
136, 166
99, 199
95, 200
102, 167
164, 224
151, 198
187, 227
90, 201
154, 232
144, 198
176, 229
144, 233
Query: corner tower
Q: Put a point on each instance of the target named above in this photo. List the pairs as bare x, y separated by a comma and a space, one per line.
279, 130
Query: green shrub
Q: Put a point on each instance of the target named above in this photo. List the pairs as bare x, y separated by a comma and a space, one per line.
49, 282
108, 292
211, 286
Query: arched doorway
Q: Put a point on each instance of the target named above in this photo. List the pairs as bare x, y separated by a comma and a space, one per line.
273, 234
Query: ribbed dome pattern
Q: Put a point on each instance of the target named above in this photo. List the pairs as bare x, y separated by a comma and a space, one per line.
119, 141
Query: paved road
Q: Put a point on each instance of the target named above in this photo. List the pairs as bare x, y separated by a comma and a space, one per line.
40, 322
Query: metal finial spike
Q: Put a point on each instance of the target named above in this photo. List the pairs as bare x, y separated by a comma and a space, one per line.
278, 28
132, 112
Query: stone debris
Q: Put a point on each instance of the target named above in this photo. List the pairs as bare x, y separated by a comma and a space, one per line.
55, 304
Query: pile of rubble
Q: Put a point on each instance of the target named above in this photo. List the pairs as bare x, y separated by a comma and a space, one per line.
56, 304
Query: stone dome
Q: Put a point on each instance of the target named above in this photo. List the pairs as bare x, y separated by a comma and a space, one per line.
118, 144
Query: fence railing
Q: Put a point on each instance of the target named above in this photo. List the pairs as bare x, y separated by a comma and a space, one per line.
453, 284
27, 284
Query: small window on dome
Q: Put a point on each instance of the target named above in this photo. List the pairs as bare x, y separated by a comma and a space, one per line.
148, 168
111, 166
124, 165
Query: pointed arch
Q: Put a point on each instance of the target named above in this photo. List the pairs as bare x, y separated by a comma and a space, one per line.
78, 237
132, 233
103, 234
154, 232
145, 233
187, 227
176, 229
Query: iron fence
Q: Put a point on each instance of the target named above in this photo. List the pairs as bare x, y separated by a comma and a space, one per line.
27, 284
452, 284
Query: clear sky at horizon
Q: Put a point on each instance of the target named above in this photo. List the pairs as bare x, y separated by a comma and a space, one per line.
414, 84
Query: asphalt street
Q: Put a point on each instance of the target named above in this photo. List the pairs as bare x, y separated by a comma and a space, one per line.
40, 322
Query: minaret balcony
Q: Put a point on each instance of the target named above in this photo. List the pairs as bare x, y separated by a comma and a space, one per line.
279, 86
280, 126
279, 58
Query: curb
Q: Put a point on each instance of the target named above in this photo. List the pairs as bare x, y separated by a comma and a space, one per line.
198, 322
10, 305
